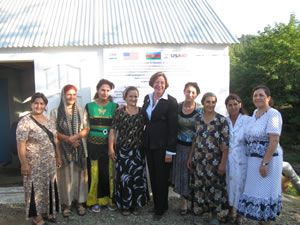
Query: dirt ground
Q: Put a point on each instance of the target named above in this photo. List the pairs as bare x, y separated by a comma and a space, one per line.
13, 214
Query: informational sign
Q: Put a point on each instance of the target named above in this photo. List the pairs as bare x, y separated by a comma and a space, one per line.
135, 66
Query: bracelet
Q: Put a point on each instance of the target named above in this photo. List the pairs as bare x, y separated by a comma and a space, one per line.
264, 163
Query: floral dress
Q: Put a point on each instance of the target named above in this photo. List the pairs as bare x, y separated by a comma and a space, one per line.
41, 195
131, 190
208, 189
261, 199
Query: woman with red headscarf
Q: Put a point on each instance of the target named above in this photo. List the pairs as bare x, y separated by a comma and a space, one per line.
71, 130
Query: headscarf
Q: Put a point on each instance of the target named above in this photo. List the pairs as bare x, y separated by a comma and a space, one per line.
70, 125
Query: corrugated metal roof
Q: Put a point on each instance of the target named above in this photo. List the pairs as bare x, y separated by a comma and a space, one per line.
66, 23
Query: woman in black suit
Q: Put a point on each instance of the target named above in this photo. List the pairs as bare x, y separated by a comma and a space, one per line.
160, 110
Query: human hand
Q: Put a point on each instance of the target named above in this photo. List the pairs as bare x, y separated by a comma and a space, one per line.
168, 158
221, 169
25, 170
263, 170
189, 163
58, 162
112, 155
75, 144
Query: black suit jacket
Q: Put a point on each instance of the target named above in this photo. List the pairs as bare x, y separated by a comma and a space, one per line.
161, 130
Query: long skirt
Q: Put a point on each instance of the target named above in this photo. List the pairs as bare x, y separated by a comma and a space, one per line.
131, 190
101, 178
261, 199
72, 184
180, 172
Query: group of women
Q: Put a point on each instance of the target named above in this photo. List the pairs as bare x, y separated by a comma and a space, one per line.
99, 154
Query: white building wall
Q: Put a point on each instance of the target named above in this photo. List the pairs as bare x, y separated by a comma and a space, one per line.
84, 67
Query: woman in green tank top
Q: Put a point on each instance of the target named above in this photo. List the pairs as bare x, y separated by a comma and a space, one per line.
99, 114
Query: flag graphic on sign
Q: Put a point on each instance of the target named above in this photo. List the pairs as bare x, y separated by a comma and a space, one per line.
153, 55
130, 55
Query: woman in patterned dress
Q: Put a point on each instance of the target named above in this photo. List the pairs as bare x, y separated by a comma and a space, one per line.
71, 130
99, 115
187, 112
131, 191
207, 161
39, 155
236, 166
261, 199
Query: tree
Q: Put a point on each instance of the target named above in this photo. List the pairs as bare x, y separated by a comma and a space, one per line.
271, 58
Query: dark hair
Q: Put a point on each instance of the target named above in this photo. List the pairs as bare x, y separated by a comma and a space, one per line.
266, 90
128, 89
38, 95
100, 83
206, 95
69, 87
233, 96
154, 77
194, 85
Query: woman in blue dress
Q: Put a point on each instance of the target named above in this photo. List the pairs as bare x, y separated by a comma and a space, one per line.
261, 199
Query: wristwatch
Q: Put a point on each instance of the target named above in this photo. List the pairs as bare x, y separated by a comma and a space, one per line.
264, 163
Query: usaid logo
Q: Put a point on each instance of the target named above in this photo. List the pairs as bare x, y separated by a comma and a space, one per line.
178, 55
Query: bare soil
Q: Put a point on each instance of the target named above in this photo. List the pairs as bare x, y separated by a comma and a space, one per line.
14, 214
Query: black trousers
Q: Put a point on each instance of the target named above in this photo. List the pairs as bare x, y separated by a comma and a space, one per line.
159, 172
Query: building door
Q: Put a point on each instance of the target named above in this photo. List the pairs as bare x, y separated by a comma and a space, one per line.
5, 154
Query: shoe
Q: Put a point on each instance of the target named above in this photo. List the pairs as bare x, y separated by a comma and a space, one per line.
96, 208
112, 207
125, 212
51, 219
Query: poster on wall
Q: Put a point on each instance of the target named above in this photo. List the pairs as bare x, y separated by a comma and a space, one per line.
135, 66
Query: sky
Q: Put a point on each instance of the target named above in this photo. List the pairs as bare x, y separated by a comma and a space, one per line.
251, 16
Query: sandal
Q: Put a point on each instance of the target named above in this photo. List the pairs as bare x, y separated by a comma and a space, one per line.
67, 212
214, 222
50, 219
239, 220
228, 219
81, 210
125, 213
198, 220
41, 222
135, 212
183, 212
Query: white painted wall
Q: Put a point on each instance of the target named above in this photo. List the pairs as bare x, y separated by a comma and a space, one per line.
84, 67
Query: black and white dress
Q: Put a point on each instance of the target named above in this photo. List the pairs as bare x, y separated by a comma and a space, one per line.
261, 199
131, 190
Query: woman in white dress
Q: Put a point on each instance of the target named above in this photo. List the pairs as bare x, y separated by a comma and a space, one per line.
236, 166
261, 199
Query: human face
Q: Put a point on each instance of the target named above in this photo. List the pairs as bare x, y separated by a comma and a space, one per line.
190, 94
132, 98
71, 96
209, 104
159, 86
233, 107
260, 99
38, 106
104, 92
